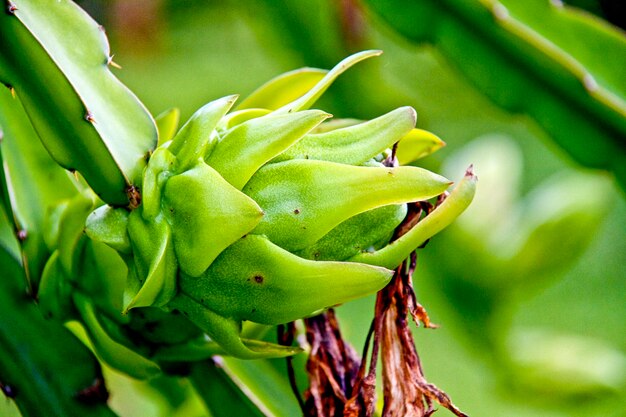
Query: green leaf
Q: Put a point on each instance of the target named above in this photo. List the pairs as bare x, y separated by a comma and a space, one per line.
110, 226
226, 331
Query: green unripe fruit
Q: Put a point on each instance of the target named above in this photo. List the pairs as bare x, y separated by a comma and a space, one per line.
255, 217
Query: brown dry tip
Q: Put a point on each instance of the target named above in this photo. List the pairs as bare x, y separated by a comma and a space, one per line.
134, 197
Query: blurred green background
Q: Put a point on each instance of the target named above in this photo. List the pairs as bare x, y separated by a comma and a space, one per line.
529, 287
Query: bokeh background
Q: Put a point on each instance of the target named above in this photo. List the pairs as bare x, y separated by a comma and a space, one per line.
528, 287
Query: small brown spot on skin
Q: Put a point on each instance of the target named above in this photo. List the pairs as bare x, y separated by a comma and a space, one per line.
258, 279
89, 117
296, 211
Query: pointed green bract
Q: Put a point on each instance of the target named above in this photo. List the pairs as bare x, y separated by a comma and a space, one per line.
417, 144
154, 261
159, 169
225, 331
393, 254
355, 144
250, 145
108, 350
283, 89
238, 117
167, 125
195, 137
268, 287
206, 214
311, 96
304, 199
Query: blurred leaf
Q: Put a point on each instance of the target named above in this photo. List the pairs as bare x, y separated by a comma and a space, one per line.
266, 384
528, 56
39, 357
222, 395
557, 364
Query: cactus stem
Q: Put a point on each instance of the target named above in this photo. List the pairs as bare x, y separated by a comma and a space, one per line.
89, 117
11, 7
